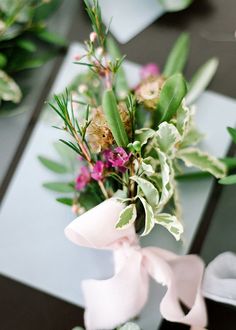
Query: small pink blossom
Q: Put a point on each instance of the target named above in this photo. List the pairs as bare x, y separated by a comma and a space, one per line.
83, 179
93, 36
117, 158
150, 69
98, 169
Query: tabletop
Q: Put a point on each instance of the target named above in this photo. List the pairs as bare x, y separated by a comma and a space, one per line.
210, 23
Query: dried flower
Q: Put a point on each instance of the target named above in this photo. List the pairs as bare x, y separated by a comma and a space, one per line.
98, 133
148, 91
117, 158
150, 69
98, 169
83, 179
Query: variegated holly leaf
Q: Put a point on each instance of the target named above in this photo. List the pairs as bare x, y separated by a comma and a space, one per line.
167, 137
202, 160
149, 190
183, 118
167, 181
143, 135
171, 223
147, 166
127, 217
9, 90
191, 138
149, 216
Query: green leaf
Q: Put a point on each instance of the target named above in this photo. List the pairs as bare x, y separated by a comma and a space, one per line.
175, 5
51, 38
44, 11
178, 56
167, 137
171, 223
193, 176
27, 45
113, 118
52, 165
148, 189
231, 179
149, 216
232, 132
127, 217
201, 80
230, 162
61, 187
65, 200
143, 135
121, 85
197, 158
171, 96
147, 166
183, 119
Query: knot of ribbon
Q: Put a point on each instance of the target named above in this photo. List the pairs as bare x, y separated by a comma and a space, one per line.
111, 302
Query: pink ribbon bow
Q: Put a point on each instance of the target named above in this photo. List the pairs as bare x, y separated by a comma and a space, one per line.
111, 302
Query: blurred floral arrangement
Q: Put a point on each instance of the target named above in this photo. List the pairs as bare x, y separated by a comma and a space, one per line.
133, 144
22, 27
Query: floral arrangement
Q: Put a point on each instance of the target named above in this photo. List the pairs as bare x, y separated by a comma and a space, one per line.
22, 26
134, 145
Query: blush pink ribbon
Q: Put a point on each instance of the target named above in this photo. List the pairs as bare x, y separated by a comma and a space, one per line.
111, 302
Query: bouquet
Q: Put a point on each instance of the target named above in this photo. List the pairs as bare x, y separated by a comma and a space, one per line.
134, 145
22, 26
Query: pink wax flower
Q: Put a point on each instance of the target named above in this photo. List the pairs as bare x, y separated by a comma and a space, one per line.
117, 158
150, 69
98, 170
83, 179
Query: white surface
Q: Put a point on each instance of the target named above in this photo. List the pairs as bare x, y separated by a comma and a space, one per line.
129, 17
33, 248
220, 279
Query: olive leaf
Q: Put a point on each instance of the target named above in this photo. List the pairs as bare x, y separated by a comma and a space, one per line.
202, 160
61, 187
171, 223
178, 55
127, 216
171, 96
52, 165
201, 80
113, 118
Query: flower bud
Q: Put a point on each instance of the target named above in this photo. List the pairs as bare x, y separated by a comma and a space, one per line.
93, 36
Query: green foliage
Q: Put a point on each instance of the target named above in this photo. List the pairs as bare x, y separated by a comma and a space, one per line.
171, 96
127, 217
61, 187
178, 56
53, 165
231, 179
65, 200
171, 223
112, 115
232, 132
201, 80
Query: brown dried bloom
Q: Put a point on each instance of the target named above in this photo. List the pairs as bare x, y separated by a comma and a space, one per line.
98, 133
148, 92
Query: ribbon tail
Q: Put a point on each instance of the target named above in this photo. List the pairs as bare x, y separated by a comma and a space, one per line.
183, 277
109, 303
